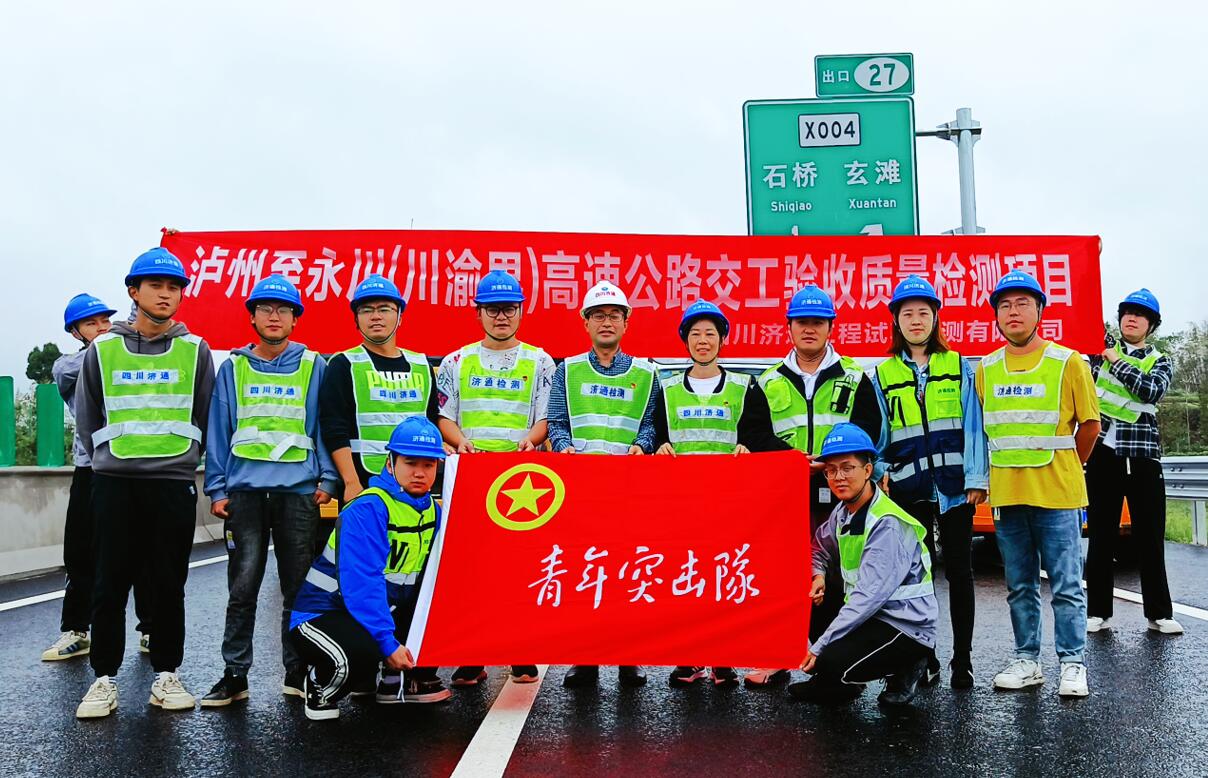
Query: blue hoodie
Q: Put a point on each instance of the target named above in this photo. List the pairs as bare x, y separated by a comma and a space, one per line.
363, 590
226, 473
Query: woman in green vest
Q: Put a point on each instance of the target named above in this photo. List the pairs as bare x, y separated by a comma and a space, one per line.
709, 410
935, 451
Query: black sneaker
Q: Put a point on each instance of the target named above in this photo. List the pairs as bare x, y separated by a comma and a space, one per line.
294, 684
684, 675
901, 687
389, 690
316, 709
724, 676
226, 691
469, 675
425, 690
579, 676
931, 675
764, 679
823, 691
525, 674
962, 672
631, 675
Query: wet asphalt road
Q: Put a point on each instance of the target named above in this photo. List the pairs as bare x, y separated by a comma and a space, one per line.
1147, 713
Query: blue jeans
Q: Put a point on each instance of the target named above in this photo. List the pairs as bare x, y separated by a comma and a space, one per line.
1028, 538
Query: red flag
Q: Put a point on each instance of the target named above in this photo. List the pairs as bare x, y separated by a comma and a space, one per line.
555, 559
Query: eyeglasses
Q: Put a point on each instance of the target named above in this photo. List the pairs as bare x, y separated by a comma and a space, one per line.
495, 311
281, 310
1016, 305
381, 310
601, 316
845, 473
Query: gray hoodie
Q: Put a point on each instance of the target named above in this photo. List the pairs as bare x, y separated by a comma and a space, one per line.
90, 409
66, 372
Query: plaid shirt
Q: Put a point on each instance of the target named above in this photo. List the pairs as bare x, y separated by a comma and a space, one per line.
1139, 438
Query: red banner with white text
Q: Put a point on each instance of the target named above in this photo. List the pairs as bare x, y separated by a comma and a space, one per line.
750, 277
556, 559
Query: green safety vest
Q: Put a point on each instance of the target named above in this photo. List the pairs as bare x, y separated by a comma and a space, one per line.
148, 398
410, 535
381, 402
494, 406
794, 419
926, 440
606, 411
1022, 409
704, 424
271, 412
1117, 400
851, 548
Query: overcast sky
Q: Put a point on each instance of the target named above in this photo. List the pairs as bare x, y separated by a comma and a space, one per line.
121, 118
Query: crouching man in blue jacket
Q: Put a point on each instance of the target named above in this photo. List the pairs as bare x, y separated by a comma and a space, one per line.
886, 627
361, 592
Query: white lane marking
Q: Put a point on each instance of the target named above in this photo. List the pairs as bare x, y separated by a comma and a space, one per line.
48, 596
1131, 596
489, 752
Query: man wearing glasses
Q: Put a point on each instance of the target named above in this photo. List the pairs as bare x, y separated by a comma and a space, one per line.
493, 396
367, 391
602, 402
267, 473
1042, 420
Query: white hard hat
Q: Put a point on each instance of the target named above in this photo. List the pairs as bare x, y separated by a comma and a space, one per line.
603, 293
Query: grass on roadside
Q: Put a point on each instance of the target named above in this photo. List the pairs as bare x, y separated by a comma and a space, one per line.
1178, 521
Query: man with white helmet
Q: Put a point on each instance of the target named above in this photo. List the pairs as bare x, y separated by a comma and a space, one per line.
267, 473
85, 318
602, 402
1042, 420
493, 396
809, 392
1126, 462
142, 403
707, 409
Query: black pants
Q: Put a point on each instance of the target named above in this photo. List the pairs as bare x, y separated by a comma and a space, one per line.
1109, 480
956, 535
872, 650
79, 562
140, 523
342, 654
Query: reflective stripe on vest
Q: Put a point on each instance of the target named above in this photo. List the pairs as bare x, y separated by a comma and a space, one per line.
1023, 409
148, 398
271, 412
382, 402
704, 424
851, 549
606, 411
927, 440
1117, 400
494, 405
804, 424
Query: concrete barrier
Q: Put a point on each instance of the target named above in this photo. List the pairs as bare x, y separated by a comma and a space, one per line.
33, 504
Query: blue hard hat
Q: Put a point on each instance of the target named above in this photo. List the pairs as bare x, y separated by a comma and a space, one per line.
157, 263
415, 436
1017, 281
377, 287
276, 288
498, 287
847, 438
1142, 298
83, 306
810, 302
914, 287
702, 309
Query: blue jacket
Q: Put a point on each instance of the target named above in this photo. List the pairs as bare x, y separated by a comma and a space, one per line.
363, 590
226, 473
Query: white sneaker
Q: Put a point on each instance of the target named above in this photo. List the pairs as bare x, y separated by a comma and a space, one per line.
1165, 626
170, 694
100, 701
69, 644
1073, 680
1020, 674
1096, 624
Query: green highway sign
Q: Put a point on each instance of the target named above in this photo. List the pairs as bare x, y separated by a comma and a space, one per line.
831, 167
864, 75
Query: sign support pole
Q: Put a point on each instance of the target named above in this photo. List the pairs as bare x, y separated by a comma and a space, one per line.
964, 132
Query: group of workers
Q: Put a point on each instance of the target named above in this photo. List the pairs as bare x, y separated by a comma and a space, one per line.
896, 456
